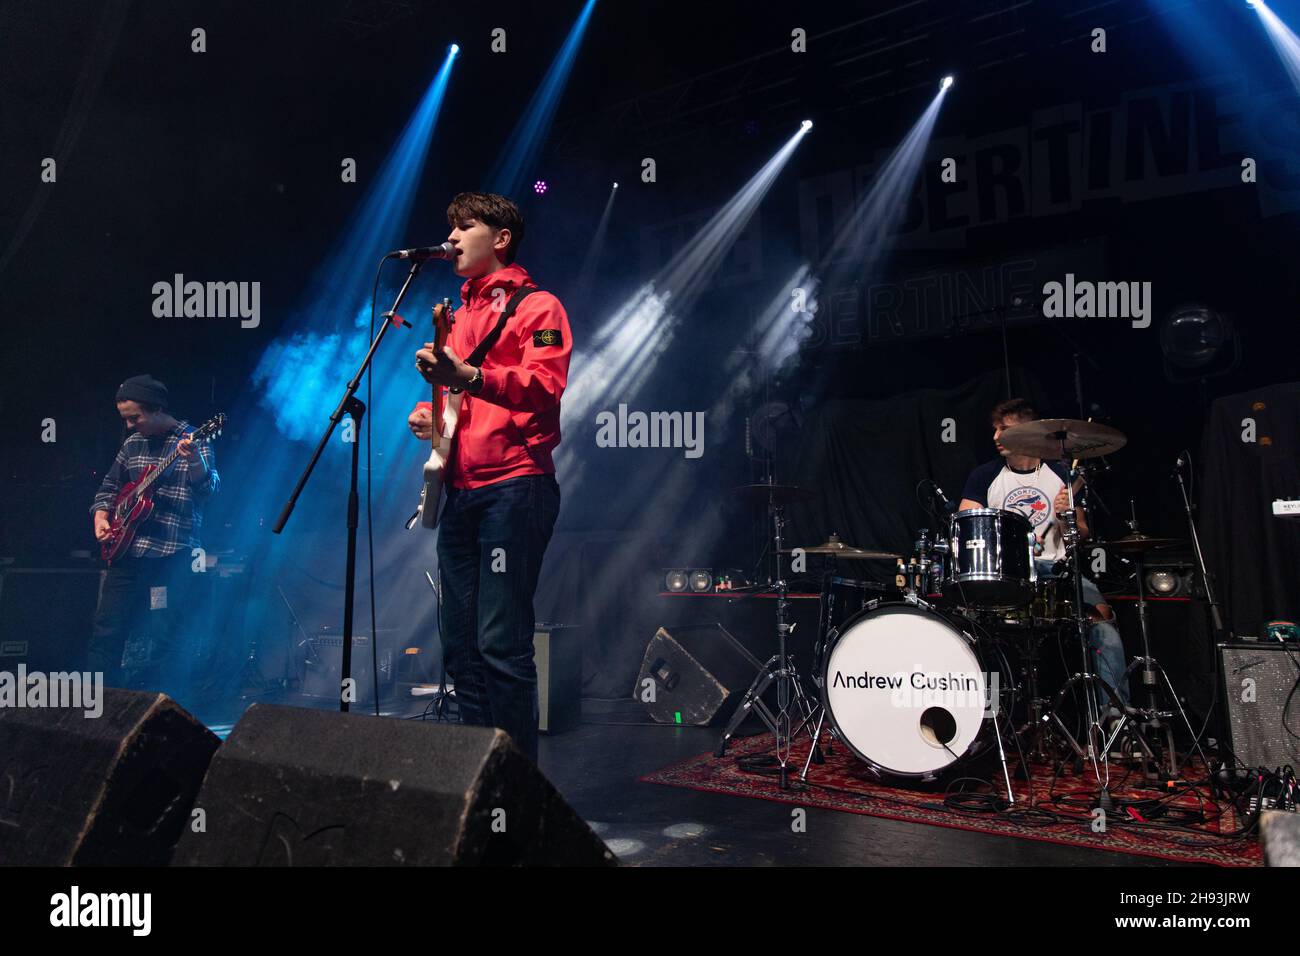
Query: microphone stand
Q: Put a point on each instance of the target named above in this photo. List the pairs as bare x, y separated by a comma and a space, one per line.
1216, 610
353, 406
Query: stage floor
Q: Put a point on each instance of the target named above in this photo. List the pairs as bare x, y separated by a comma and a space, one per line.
597, 765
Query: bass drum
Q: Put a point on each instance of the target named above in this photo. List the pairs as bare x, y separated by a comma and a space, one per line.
908, 692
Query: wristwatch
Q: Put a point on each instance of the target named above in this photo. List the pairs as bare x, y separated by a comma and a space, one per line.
475, 383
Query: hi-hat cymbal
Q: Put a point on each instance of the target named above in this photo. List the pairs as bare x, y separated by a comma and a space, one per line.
780, 494
1138, 543
1043, 439
834, 547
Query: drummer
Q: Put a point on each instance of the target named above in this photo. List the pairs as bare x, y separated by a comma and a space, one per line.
1037, 489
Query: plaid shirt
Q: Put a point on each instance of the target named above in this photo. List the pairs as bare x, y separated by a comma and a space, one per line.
177, 502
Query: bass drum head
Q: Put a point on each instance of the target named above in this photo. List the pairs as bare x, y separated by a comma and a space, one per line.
906, 690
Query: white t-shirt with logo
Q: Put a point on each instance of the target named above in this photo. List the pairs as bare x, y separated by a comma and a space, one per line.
1030, 493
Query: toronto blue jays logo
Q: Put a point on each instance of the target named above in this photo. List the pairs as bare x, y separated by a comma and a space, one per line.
1030, 502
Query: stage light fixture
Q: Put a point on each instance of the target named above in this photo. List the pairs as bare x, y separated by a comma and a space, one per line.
681, 580
947, 82
540, 187
1169, 580
455, 48
807, 124
616, 185
1162, 582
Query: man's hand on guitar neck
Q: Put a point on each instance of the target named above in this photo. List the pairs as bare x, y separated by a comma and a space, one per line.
442, 368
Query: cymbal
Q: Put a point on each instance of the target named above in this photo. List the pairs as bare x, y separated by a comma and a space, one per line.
1138, 543
834, 547
1042, 439
760, 494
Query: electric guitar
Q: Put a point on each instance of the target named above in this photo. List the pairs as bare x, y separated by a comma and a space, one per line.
134, 503
446, 409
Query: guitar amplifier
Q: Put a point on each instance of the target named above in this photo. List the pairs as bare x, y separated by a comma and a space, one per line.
45, 617
557, 649
323, 666
1258, 682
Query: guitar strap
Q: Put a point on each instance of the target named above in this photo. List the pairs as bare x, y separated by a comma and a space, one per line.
456, 397
476, 357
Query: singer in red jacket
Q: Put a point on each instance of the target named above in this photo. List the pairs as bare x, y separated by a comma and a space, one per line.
502, 496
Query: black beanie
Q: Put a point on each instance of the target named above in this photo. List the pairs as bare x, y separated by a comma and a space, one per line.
143, 388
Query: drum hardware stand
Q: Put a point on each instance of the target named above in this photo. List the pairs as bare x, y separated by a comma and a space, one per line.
1095, 731
825, 632
778, 668
1038, 722
1152, 718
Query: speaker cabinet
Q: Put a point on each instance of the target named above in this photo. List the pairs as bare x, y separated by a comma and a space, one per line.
558, 653
1257, 680
695, 674
112, 790
295, 787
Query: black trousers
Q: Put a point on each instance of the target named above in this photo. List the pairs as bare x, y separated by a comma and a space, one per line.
150, 598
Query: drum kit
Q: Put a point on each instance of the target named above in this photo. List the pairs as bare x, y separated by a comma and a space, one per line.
916, 678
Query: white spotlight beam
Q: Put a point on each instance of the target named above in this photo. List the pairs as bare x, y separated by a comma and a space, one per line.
618, 359
868, 229
1284, 41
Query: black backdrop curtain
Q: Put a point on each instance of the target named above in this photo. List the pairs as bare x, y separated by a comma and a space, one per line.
1254, 557
863, 460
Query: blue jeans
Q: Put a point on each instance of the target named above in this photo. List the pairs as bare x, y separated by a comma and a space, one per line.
1103, 636
490, 546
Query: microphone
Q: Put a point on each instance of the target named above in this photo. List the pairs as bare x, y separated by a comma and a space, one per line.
949, 506
424, 253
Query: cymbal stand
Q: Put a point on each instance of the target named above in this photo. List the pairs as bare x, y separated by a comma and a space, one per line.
1152, 718
825, 619
779, 668
1093, 685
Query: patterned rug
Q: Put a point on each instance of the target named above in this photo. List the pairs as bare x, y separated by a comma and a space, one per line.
1184, 824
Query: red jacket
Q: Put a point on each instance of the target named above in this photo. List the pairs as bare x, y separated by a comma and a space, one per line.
511, 427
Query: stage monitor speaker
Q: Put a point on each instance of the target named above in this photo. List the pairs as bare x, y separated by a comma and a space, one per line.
697, 675
295, 787
112, 790
1258, 680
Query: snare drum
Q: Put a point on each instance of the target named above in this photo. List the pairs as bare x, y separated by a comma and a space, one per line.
992, 553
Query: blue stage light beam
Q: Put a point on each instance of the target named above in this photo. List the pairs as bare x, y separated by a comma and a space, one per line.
1210, 35
1283, 39
515, 164
298, 371
297, 383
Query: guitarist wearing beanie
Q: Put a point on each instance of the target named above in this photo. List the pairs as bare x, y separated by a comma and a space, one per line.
150, 570
502, 498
